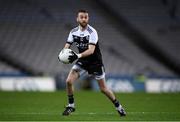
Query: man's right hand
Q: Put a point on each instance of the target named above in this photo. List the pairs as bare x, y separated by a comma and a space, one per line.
73, 57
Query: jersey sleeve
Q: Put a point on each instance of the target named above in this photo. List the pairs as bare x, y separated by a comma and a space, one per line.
70, 38
93, 39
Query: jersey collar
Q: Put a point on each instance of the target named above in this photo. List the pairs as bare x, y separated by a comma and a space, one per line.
84, 29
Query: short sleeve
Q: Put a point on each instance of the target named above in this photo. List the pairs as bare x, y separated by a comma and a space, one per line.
93, 39
70, 38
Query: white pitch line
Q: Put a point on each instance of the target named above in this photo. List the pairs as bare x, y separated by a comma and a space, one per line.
111, 113
32, 113
90, 113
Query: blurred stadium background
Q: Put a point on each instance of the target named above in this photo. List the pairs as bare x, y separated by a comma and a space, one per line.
139, 40
140, 44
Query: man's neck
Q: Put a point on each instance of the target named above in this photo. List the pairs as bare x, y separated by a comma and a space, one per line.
83, 28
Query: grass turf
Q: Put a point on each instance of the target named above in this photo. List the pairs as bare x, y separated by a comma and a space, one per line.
90, 106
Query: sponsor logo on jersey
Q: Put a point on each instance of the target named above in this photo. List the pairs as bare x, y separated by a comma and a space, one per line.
81, 38
75, 37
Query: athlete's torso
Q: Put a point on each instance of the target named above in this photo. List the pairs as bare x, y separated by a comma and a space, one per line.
82, 39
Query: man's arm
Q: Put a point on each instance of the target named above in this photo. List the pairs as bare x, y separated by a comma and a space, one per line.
67, 45
88, 52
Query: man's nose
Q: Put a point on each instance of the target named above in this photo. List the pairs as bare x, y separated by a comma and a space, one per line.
84, 19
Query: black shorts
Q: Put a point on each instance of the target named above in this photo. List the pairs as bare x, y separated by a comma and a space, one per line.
95, 69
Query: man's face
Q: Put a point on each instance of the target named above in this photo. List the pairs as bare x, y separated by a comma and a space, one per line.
83, 19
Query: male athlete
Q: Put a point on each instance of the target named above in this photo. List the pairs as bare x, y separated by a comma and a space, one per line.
89, 60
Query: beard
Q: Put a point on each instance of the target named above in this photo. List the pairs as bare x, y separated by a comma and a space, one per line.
83, 24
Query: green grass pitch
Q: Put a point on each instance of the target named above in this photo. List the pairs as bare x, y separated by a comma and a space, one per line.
90, 106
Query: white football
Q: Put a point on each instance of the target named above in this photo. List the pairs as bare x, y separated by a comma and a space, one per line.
64, 55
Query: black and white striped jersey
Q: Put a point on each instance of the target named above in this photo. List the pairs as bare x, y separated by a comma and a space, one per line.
82, 39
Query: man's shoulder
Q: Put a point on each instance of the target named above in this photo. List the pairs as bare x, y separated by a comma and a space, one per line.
75, 29
90, 29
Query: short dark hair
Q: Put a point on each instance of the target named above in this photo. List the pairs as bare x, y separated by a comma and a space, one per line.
82, 11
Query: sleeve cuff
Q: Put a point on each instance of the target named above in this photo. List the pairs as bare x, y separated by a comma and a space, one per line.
92, 44
69, 42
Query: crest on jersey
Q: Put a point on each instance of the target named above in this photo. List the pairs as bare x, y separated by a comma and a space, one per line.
87, 37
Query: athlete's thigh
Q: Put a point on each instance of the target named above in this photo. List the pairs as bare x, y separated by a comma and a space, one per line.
102, 83
72, 76
75, 73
